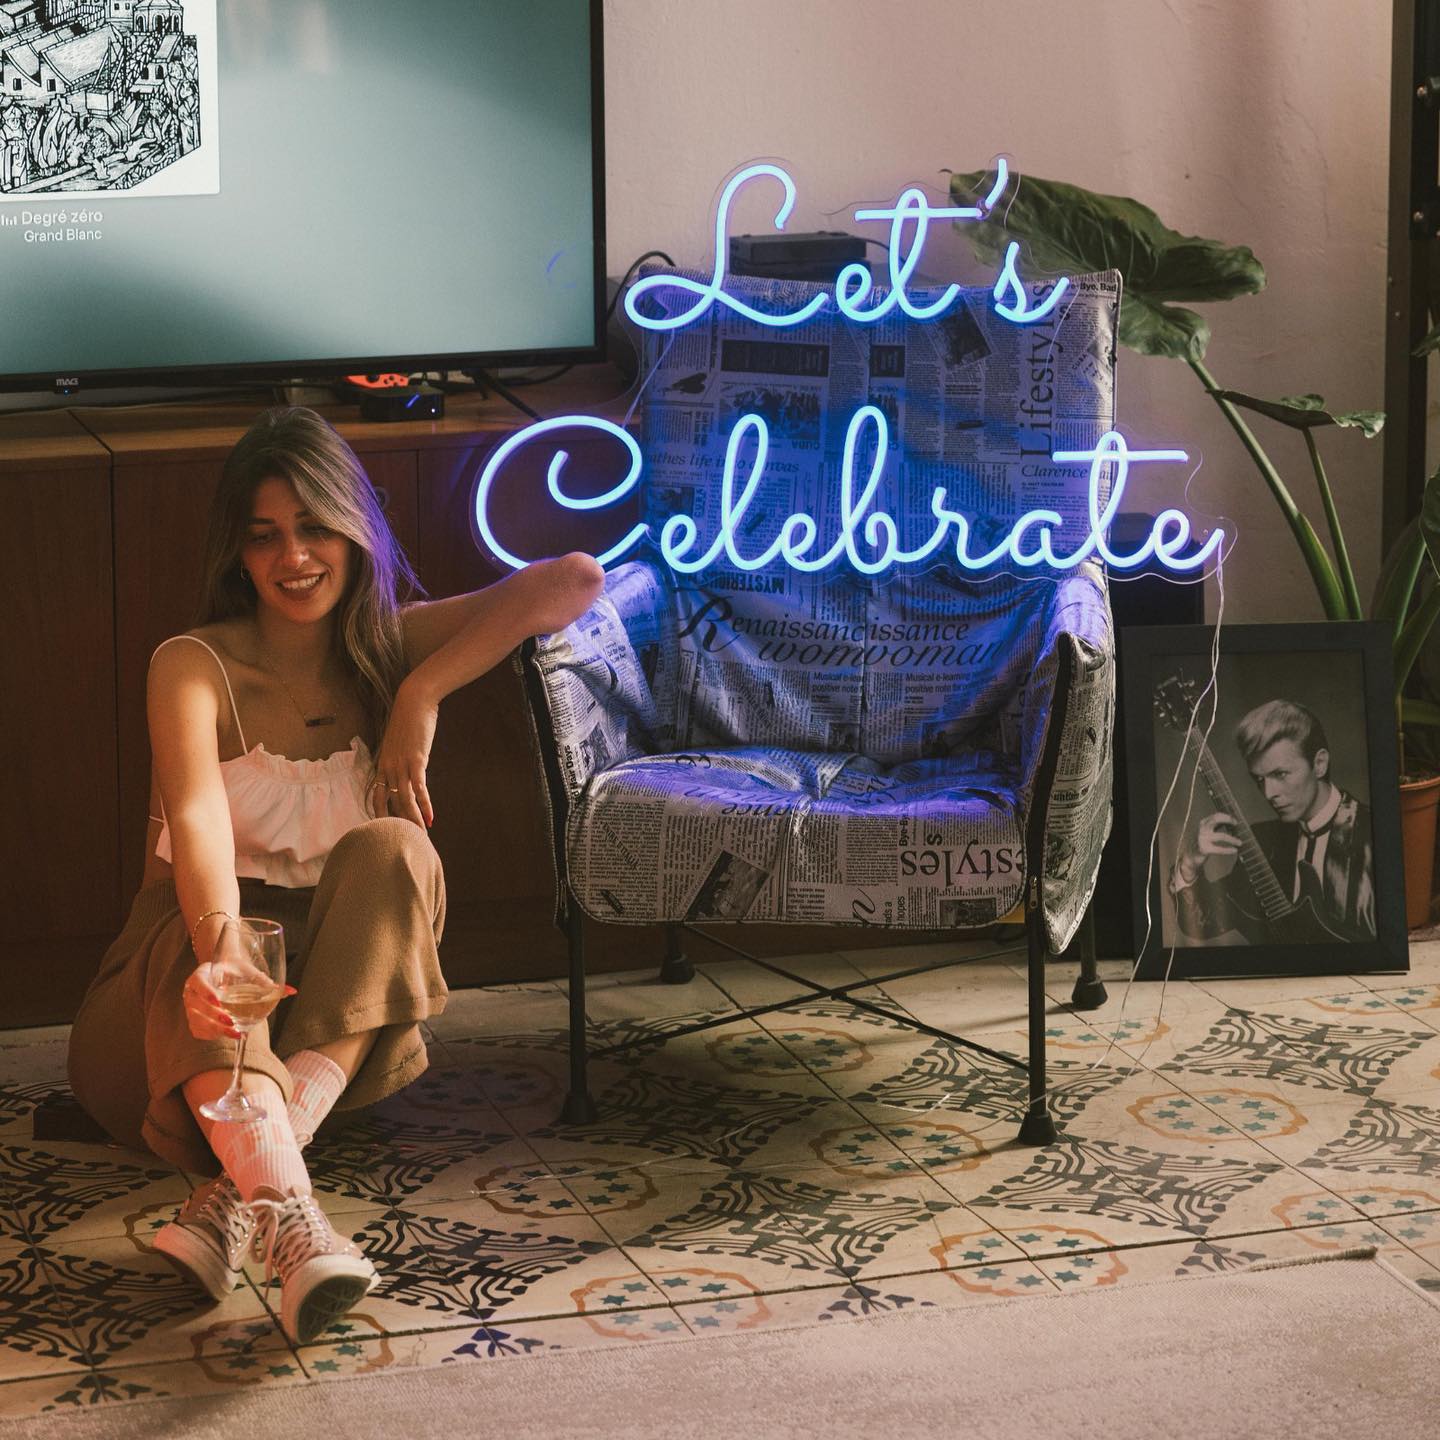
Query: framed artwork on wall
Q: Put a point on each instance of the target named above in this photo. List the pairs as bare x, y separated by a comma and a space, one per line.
1263, 775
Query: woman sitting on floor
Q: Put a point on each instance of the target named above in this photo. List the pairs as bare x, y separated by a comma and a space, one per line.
290, 733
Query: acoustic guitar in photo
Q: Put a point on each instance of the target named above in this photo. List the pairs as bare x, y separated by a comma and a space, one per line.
1269, 916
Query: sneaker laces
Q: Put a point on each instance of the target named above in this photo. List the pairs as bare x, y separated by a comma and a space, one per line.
223, 1208
288, 1232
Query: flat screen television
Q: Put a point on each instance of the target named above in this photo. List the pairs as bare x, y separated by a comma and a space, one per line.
218, 191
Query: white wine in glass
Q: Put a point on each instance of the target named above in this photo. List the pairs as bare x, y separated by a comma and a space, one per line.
249, 970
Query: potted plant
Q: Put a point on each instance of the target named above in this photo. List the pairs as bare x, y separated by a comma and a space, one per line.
1067, 229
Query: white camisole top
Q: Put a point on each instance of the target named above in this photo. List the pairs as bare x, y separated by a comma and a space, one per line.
287, 814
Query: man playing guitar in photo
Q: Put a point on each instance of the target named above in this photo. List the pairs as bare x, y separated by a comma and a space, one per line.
1314, 860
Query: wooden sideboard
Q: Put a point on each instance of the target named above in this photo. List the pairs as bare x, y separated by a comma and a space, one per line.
100, 552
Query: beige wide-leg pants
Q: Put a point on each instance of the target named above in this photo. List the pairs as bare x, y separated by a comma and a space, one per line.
362, 955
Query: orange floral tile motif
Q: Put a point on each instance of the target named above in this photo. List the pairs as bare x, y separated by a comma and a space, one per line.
1383, 1200
601, 1303
863, 1152
1316, 1207
1358, 1002
1103, 1034
805, 1048
974, 1248
1218, 1115
1089, 1271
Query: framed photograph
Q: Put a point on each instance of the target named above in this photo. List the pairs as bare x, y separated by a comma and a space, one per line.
1264, 800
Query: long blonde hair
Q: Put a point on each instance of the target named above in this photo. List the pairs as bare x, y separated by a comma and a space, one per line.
297, 445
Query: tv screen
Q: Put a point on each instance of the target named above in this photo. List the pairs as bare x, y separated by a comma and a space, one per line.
197, 190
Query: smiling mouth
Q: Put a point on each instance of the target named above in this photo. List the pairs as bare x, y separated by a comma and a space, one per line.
301, 586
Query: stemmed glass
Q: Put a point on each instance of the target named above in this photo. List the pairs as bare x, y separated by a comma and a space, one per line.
249, 978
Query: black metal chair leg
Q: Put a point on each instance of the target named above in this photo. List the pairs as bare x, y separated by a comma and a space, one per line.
579, 1108
1038, 1127
1089, 992
676, 968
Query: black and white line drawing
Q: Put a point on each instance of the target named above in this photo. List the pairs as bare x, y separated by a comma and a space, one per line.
95, 95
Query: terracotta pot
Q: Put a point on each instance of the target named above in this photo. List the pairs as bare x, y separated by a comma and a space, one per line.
1418, 802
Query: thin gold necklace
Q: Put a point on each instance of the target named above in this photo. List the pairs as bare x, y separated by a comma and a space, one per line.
311, 721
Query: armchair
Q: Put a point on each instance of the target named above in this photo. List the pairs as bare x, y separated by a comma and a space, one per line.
910, 750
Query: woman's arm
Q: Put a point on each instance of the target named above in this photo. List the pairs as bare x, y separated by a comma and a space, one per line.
183, 706
449, 643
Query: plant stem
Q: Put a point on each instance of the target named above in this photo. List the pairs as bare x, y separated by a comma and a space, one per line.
1327, 585
1337, 535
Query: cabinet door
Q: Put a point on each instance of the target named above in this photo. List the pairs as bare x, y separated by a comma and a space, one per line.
59, 883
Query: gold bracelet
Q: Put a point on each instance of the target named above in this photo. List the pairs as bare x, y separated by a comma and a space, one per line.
196, 926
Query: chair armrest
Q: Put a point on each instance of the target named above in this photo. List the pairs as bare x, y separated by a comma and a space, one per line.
595, 683
1068, 719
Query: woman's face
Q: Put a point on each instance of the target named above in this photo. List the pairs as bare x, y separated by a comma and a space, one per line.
299, 568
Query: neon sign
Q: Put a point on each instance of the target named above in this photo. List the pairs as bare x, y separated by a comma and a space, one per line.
867, 539
853, 286
1169, 537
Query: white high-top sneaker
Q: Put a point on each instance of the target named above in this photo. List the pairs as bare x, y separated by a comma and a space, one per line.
321, 1273
207, 1240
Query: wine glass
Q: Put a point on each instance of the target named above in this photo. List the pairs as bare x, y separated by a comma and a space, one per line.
249, 971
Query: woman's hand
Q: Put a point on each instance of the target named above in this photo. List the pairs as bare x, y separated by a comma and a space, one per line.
204, 1012
404, 758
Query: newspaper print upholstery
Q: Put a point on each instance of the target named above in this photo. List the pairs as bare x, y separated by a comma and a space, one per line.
843, 749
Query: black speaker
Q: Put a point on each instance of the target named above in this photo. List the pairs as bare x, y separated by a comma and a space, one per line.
1144, 596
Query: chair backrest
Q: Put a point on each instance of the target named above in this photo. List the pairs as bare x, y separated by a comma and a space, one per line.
919, 661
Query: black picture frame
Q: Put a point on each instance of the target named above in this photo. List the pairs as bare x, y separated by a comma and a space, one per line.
1342, 673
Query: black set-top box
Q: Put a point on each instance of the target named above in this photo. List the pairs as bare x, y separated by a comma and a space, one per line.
819, 255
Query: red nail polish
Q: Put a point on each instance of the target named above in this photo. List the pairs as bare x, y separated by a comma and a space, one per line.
291, 990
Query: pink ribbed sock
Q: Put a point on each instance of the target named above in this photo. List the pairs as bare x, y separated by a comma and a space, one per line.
319, 1083
261, 1155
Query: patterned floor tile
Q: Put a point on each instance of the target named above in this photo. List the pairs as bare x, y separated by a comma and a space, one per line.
203, 1375
969, 998
129, 1307
1333, 994
646, 997
1385, 1138
797, 1053
65, 1192
670, 1116
1418, 1269
746, 984
510, 1267
487, 1011
821, 1163
1421, 1002
1424, 967
718, 1236
862, 1299
1140, 1194
72, 1390
414, 1291
896, 1227
36, 1337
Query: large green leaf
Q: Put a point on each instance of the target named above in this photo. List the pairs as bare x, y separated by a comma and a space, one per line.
1306, 412
1429, 344
1069, 230
1430, 519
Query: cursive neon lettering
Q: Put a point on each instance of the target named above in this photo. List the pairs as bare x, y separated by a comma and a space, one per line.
617, 492
860, 520
911, 212
1019, 309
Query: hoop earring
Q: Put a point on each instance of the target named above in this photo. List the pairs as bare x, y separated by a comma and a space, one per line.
245, 575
